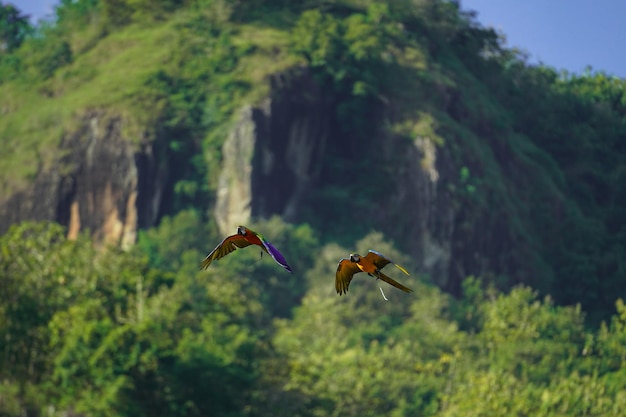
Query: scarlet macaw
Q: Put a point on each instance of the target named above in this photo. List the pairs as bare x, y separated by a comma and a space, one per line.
244, 237
372, 263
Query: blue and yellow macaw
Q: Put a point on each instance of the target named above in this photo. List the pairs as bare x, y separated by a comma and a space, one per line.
372, 263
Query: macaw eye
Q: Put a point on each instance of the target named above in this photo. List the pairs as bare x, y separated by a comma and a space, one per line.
354, 258
241, 231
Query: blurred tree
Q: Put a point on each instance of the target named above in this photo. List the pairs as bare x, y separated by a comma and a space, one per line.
41, 273
153, 9
14, 27
532, 340
116, 13
175, 235
75, 14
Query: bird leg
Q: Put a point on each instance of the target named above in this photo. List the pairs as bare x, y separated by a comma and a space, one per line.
260, 259
381, 291
379, 287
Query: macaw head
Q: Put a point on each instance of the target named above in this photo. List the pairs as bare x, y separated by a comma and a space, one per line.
241, 230
355, 257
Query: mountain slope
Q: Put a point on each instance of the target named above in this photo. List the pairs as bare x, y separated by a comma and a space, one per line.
410, 119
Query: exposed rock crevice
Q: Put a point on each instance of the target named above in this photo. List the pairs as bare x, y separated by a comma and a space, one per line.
419, 212
103, 184
273, 155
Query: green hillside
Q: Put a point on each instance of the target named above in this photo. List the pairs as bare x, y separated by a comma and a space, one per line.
539, 180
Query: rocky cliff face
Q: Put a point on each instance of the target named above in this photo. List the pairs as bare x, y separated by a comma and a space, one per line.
272, 164
103, 183
420, 212
273, 155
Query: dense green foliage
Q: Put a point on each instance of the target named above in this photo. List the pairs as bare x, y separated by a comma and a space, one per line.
105, 333
13, 27
144, 333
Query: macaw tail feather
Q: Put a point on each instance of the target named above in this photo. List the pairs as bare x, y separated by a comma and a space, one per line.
392, 282
402, 269
278, 257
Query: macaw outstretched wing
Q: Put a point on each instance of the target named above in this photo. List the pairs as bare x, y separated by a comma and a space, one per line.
345, 271
381, 260
228, 245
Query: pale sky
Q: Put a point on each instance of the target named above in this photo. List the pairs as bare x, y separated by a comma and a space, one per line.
564, 34
37, 9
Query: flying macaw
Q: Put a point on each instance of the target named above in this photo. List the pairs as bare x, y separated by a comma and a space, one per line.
372, 263
244, 237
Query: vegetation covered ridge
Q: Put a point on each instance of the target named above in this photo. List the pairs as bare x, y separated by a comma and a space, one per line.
142, 332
